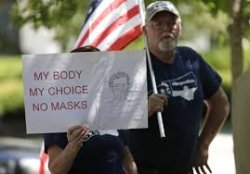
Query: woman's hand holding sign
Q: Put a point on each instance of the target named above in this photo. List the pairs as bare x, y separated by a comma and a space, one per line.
75, 136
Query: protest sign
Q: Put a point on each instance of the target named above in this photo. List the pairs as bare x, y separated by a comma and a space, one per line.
106, 90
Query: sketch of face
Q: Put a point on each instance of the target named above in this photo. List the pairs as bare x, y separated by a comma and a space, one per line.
120, 88
119, 84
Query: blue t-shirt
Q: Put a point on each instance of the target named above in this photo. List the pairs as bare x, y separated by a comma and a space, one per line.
187, 82
100, 154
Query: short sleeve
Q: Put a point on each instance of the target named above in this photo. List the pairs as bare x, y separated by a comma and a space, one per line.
59, 139
210, 79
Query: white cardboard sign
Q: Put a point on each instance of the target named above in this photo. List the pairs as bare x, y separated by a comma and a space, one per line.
106, 90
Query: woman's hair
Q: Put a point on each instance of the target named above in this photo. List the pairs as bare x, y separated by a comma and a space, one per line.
88, 48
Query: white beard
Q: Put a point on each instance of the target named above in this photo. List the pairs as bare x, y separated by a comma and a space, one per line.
167, 44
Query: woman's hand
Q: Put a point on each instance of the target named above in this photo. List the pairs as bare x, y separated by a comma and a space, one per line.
76, 135
61, 160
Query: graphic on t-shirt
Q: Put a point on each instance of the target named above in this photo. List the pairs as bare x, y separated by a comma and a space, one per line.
183, 86
90, 134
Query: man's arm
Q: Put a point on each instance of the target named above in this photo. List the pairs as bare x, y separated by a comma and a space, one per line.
217, 112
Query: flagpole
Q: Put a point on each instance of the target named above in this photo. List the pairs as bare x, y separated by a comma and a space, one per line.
151, 70
152, 75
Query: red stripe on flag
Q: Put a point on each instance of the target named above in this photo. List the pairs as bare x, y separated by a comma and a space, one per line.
108, 10
121, 20
43, 160
125, 39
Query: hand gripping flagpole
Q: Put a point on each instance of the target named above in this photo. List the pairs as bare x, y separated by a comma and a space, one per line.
152, 75
151, 70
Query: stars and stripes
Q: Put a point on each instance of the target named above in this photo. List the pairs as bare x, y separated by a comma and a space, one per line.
111, 24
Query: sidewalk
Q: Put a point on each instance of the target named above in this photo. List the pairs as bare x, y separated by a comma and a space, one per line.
221, 159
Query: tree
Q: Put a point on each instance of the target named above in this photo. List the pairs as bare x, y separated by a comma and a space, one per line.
64, 16
238, 12
235, 30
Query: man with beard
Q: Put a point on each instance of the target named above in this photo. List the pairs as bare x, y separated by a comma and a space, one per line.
185, 81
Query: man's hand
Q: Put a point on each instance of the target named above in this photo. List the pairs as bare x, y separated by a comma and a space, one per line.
156, 103
217, 112
200, 161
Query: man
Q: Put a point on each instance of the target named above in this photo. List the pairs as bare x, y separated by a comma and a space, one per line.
185, 81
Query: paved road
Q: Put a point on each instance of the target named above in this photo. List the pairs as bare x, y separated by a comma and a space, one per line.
221, 158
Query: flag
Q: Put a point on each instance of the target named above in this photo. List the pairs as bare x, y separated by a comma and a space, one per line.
111, 24
43, 161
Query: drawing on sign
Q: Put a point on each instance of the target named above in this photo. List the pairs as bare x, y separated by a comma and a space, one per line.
119, 84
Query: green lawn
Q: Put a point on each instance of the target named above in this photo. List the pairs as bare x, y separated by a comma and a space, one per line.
10, 67
11, 88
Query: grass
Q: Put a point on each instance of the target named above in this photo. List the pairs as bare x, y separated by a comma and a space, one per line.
10, 67
11, 88
11, 96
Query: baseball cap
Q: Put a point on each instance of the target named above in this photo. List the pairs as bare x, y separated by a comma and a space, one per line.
159, 6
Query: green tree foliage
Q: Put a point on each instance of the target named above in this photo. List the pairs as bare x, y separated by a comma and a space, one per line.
64, 16
218, 6
209, 17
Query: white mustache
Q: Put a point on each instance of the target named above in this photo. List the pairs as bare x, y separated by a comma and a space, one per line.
167, 34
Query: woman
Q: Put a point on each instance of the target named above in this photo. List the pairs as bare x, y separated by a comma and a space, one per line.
81, 150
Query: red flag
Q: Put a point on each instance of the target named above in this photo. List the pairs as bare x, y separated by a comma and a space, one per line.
43, 160
111, 24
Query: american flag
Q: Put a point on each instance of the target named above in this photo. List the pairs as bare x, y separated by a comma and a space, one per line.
109, 25
43, 167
